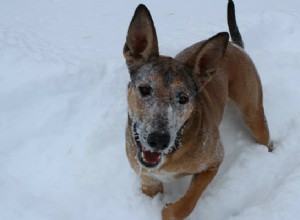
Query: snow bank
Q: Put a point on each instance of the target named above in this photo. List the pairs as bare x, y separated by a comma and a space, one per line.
63, 110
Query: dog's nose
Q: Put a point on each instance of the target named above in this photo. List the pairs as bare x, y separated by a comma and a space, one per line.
158, 140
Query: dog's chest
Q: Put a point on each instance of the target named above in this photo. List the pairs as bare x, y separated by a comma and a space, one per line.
164, 177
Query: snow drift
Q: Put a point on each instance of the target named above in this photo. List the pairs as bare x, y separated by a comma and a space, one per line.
63, 110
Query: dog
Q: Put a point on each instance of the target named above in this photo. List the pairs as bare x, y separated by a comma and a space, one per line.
175, 106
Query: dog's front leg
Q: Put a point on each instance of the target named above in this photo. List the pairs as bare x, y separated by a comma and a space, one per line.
151, 186
185, 205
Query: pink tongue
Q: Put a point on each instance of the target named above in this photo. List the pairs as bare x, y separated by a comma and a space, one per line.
151, 157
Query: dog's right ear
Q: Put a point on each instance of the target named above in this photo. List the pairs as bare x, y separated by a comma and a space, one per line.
141, 43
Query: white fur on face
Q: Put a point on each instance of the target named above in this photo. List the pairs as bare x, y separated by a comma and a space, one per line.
154, 115
160, 111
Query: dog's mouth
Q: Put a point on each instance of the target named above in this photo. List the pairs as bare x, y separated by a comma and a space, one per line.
147, 158
152, 159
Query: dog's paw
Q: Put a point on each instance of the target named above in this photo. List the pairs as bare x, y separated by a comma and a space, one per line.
170, 212
270, 146
152, 190
167, 213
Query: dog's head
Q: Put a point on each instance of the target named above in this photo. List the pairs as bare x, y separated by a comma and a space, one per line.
163, 92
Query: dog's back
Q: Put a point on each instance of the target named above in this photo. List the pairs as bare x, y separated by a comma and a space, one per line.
242, 83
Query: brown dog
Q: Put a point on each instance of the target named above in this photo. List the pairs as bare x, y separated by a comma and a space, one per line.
175, 106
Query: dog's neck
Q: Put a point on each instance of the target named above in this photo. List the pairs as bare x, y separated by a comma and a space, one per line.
200, 125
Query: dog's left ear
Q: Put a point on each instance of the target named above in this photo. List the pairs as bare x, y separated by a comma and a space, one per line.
141, 43
208, 58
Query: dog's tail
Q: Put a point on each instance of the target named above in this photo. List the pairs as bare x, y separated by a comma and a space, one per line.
233, 28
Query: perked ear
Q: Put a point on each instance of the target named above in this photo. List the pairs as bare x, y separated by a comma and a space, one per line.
208, 58
141, 43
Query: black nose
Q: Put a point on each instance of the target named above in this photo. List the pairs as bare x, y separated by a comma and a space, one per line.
159, 140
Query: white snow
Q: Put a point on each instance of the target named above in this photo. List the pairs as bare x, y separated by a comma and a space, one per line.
63, 110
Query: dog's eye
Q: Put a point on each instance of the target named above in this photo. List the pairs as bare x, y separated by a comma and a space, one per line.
145, 90
182, 98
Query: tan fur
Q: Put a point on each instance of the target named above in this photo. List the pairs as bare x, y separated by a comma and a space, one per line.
244, 88
234, 76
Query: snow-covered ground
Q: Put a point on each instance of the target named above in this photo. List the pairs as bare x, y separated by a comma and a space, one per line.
63, 110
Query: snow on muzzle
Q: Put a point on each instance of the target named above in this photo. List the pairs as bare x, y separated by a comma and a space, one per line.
159, 143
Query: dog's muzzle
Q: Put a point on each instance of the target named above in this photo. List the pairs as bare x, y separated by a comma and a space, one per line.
159, 142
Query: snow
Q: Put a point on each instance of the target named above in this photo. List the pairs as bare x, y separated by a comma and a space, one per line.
63, 110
